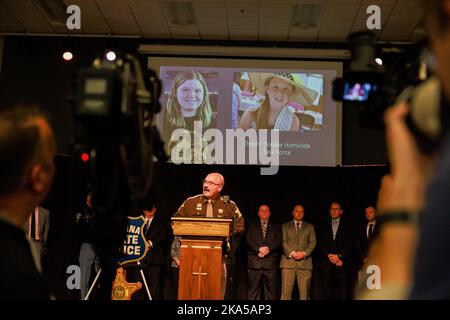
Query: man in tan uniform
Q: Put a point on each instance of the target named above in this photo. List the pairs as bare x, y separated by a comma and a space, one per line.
211, 204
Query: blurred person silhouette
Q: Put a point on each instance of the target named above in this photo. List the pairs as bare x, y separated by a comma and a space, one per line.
27, 151
174, 267
413, 257
88, 256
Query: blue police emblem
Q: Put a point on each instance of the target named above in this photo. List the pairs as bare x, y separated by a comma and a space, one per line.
134, 247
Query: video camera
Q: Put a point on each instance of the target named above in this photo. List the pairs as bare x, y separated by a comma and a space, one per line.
116, 144
404, 74
363, 81
115, 140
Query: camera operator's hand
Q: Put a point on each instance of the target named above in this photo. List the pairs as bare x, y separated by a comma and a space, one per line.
401, 191
404, 188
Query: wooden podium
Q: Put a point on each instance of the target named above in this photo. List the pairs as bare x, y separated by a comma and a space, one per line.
200, 256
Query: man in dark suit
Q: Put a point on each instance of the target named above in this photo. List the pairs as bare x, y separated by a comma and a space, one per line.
156, 235
365, 235
263, 239
363, 241
335, 242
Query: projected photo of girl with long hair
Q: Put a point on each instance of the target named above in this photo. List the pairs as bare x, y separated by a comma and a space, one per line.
189, 96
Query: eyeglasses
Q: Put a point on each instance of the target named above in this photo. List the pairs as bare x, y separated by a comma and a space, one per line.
210, 183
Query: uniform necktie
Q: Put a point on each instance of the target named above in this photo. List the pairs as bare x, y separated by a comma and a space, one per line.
209, 210
297, 226
264, 229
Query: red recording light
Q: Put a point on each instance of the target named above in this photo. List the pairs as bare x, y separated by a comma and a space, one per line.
84, 157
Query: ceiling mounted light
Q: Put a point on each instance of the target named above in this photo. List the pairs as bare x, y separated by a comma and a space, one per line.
306, 16
67, 56
111, 56
179, 13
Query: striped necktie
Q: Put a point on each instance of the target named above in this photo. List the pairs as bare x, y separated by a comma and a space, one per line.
264, 228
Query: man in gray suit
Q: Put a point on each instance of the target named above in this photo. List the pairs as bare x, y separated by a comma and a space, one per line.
299, 240
36, 230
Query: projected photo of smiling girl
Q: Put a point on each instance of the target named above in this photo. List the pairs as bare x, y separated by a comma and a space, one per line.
281, 95
188, 100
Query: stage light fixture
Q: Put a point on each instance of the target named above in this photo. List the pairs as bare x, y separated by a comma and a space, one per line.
67, 56
111, 56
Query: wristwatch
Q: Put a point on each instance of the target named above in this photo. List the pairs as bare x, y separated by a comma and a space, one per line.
402, 216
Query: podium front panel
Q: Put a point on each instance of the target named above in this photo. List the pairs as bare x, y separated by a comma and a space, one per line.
200, 270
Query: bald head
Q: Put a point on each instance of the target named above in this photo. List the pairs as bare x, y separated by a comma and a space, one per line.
217, 177
212, 185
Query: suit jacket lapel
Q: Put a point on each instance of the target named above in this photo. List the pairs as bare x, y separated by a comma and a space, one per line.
267, 231
150, 228
330, 229
339, 230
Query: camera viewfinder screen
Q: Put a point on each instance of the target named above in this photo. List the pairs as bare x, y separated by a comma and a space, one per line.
95, 86
358, 91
